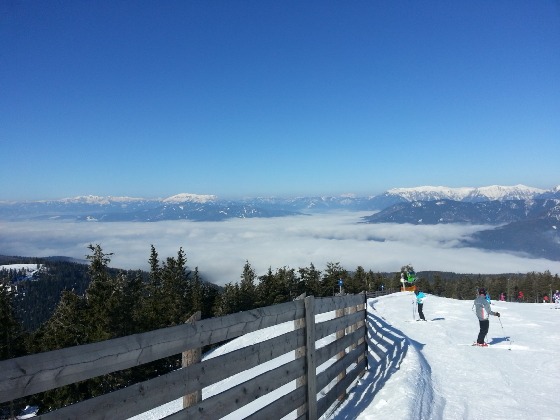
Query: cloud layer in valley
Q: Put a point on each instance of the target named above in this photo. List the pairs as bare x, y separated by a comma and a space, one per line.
220, 249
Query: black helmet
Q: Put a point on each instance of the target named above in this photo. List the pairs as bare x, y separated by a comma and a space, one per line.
482, 291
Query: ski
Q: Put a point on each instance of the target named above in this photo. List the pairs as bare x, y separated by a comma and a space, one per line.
489, 346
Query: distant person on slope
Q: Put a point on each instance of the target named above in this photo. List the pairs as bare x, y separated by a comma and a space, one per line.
420, 301
556, 299
483, 311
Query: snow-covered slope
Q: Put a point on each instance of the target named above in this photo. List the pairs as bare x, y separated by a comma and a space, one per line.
443, 377
26, 271
440, 375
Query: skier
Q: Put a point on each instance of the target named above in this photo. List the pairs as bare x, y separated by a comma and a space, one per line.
420, 301
483, 311
502, 296
556, 300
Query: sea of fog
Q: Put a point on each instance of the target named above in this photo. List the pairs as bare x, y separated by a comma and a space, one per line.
220, 249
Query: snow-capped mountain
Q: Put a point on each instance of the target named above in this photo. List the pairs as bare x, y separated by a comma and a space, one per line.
97, 200
490, 193
212, 208
191, 198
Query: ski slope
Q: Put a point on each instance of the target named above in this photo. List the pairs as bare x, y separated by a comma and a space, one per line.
440, 375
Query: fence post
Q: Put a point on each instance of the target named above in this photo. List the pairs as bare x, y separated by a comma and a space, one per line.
340, 334
190, 357
310, 355
300, 352
362, 306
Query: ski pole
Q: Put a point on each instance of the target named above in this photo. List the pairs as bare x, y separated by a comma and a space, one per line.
507, 338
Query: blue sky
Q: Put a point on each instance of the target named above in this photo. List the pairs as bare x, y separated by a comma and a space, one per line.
283, 98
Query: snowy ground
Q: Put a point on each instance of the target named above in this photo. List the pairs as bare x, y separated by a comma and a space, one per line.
441, 376
28, 268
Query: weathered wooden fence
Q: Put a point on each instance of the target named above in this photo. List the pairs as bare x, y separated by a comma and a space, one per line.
322, 373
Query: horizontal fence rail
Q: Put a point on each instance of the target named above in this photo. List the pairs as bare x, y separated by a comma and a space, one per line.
328, 342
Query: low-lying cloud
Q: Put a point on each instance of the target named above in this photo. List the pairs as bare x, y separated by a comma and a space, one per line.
220, 249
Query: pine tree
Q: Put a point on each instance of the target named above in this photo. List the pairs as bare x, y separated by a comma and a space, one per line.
68, 326
247, 291
176, 294
332, 274
438, 286
152, 300
127, 316
197, 292
228, 301
11, 330
311, 279
101, 296
286, 285
358, 282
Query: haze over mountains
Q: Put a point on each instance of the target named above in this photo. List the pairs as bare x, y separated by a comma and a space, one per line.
519, 219
212, 208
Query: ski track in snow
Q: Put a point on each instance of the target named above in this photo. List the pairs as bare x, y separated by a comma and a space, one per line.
445, 377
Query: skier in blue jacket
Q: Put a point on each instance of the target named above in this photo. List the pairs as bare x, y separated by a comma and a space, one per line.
420, 302
483, 312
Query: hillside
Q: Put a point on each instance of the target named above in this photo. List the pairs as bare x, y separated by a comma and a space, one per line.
439, 374
530, 227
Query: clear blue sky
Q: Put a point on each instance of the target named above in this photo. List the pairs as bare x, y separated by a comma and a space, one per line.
283, 98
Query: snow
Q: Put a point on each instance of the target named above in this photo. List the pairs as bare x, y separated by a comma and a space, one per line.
492, 192
194, 198
442, 376
28, 412
94, 199
428, 192
19, 267
437, 374
29, 269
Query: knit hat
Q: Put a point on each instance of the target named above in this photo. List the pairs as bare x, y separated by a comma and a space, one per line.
482, 291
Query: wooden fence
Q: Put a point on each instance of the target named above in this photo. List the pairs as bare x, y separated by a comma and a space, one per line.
321, 373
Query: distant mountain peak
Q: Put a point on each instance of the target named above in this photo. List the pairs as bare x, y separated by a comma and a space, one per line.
191, 198
431, 192
492, 192
95, 199
498, 192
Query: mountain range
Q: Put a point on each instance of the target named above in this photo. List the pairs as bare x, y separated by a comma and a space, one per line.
519, 218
